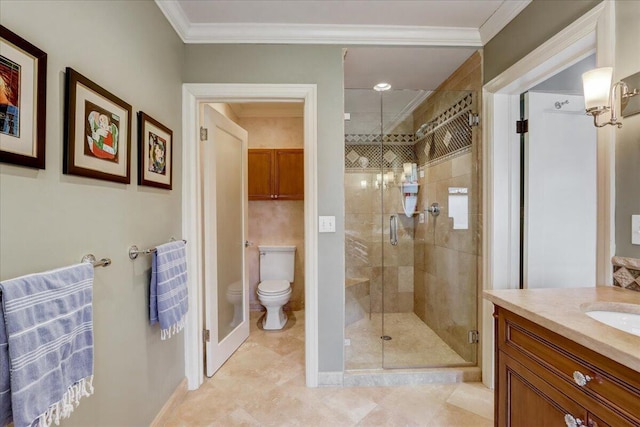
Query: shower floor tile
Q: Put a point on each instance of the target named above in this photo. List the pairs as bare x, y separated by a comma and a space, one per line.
412, 345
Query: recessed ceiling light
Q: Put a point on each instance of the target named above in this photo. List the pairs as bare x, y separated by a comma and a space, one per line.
380, 87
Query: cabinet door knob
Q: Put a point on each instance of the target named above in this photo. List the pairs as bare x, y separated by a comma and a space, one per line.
581, 379
571, 421
276, 196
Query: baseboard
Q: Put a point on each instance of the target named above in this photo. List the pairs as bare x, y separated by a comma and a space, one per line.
173, 401
330, 379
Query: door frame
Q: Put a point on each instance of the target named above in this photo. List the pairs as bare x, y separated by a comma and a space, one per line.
192, 95
592, 32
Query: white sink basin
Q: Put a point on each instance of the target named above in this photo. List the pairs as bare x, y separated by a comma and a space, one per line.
628, 322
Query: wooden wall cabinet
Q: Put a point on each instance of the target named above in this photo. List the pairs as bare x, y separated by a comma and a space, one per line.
276, 174
540, 377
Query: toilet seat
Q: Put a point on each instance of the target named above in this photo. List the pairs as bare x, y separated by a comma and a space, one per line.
235, 289
274, 287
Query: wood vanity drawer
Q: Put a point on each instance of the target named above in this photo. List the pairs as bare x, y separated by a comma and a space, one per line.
615, 386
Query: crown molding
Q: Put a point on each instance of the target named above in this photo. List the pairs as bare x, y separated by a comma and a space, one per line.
332, 34
315, 34
176, 16
500, 18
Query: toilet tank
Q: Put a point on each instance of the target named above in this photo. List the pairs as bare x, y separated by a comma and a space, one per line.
277, 262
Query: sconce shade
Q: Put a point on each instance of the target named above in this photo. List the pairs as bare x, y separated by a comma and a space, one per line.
597, 84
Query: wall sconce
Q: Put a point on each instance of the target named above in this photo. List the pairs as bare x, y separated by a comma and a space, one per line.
600, 95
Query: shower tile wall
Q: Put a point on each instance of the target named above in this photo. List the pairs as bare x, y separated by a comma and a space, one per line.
367, 239
446, 270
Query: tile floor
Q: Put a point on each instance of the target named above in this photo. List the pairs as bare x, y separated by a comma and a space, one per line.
263, 384
413, 344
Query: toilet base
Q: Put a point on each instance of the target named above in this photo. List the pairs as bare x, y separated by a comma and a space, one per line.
275, 319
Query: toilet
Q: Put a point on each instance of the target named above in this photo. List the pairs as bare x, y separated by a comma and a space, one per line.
274, 290
235, 296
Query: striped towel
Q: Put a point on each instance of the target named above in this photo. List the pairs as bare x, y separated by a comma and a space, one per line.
48, 326
168, 294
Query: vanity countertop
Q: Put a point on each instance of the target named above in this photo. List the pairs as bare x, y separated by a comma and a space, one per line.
561, 311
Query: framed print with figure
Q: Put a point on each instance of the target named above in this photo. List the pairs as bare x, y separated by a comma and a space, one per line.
23, 92
155, 148
97, 131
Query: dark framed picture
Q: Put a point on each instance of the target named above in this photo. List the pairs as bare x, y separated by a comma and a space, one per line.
23, 99
97, 132
155, 148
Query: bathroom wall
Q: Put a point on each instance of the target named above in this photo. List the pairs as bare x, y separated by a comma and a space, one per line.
447, 260
537, 23
628, 137
367, 241
48, 219
534, 25
275, 222
320, 65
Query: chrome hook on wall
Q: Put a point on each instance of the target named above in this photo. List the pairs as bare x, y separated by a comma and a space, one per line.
434, 209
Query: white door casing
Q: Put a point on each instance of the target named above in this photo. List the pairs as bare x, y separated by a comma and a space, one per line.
593, 32
223, 167
192, 95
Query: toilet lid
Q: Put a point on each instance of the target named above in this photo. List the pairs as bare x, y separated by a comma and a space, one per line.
273, 286
235, 288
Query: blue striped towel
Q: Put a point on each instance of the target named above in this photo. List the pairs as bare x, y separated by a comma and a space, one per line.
48, 321
168, 294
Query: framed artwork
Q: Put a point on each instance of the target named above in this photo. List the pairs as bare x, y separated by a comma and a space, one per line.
97, 132
23, 92
155, 148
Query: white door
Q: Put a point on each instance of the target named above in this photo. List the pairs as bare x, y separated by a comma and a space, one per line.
223, 165
560, 206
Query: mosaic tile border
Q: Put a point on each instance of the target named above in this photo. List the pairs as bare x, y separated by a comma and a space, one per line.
448, 136
368, 157
367, 139
626, 273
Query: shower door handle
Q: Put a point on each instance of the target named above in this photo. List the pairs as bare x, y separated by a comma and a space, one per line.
393, 229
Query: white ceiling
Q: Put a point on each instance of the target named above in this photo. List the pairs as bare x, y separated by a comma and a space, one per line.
437, 13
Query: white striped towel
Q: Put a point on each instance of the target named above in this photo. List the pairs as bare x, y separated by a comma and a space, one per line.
48, 320
168, 303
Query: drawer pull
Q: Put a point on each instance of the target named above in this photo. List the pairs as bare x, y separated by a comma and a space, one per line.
571, 421
581, 379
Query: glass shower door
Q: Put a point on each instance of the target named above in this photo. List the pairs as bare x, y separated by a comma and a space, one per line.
411, 289
430, 148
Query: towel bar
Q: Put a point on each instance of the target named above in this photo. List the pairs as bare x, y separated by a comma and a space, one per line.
134, 251
104, 262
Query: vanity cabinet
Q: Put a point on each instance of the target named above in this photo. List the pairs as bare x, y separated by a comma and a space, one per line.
544, 379
276, 174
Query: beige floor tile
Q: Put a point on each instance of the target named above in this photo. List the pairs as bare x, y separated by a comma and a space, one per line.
381, 417
418, 403
263, 384
473, 397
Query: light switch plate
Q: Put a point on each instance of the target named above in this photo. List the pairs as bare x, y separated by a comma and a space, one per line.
635, 229
327, 224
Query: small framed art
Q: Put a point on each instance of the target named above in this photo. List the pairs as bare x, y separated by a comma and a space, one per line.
23, 92
97, 131
155, 148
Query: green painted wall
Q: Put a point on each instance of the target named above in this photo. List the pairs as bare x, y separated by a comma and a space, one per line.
537, 23
321, 65
48, 219
628, 137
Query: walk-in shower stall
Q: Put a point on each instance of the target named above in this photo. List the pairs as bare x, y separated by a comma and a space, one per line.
412, 229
